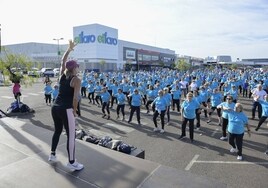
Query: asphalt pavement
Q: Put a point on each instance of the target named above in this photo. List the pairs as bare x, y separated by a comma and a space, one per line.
207, 155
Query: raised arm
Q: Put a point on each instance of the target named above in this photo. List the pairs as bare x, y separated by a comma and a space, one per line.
70, 48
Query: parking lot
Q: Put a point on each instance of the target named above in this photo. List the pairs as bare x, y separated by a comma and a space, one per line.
207, 155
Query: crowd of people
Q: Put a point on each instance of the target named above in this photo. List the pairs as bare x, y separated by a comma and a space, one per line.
187, 93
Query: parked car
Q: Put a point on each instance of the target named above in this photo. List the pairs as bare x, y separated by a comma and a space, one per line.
47, 72
34, 72
56, 71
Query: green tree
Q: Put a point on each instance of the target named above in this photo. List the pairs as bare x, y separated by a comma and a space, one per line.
233, 66
10, 64
182, 65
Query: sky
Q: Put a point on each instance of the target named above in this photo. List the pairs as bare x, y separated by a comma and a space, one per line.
198, 28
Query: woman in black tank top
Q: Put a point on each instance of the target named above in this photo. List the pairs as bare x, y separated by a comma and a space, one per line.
65, 107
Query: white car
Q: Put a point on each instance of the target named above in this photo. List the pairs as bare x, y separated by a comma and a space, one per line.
56, 71
34, 72
47, 72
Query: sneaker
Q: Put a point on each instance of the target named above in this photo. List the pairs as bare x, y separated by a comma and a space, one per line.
240, 158
182, 137
257, 129
103, 115
75, 166
162, 131
208, 121
233, 150
156, 129
223, 138
52, 158
108, 117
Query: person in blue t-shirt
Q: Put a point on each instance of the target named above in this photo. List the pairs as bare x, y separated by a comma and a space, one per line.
121, 98
91, 91
215, 100
264, 116
160, 104
136, 100
168, 98
237, 120
188, 109
150, 96
47, 91
105, 98
228, 104
176, 97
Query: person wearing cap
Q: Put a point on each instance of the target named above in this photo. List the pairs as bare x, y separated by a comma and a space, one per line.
64, 109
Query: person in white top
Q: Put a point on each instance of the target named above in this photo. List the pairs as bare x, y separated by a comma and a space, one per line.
193, 86
184, 85
257, 93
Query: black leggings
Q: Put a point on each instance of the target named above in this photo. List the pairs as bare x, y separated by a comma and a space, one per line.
64, 118
48, 98
236, 141
122, 107
191, 127
261, 121
105, 106
162, 116
224, 126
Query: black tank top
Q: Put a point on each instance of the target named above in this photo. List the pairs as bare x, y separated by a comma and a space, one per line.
64, 99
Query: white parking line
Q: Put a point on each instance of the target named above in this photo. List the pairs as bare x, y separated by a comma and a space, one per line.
7, 97
188, 167
194, 160
230, 162
34, 94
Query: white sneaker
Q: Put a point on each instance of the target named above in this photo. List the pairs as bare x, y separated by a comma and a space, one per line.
162, 131
240, 158
156, 129
52, 158
75, 166
223, 138
233, 150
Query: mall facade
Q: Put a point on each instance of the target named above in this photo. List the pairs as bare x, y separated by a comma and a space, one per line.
98, 49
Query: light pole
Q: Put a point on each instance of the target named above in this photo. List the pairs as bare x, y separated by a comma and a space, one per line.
58, 42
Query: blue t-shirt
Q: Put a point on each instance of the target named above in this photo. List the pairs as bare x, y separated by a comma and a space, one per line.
236, 122
160, 103
105, 97
264, 105
189, 108
215, 99
227, 105
121, 97
136, 99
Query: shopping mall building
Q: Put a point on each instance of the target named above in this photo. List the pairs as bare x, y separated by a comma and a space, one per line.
98, 49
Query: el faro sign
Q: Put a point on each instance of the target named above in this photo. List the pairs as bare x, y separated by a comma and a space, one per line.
103, 38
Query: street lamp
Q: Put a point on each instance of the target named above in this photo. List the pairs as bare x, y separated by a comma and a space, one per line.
58, 42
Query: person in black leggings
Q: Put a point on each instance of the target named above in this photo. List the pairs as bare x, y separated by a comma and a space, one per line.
64, 109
